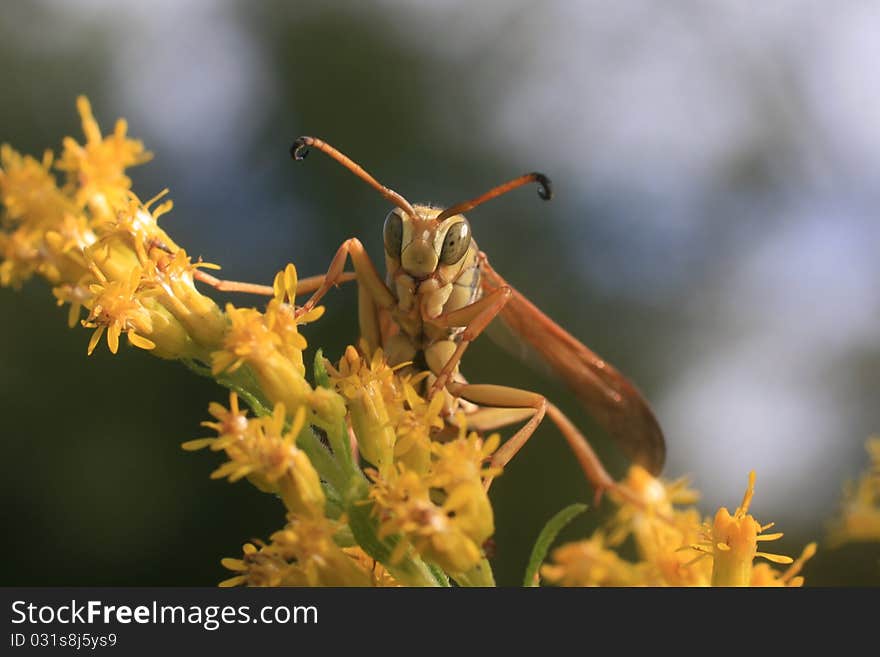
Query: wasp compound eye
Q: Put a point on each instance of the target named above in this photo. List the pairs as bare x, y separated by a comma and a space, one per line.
455, 243
392, 234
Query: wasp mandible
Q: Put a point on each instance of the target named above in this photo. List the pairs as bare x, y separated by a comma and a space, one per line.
440, 293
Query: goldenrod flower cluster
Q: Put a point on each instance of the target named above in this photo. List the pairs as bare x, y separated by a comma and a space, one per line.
101, 248
667, 532
380, 486
340, 455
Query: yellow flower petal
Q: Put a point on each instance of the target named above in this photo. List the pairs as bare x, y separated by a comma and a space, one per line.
775, 558
96, 337
113, 337
140, 341
233, 564
232, 581
198, 443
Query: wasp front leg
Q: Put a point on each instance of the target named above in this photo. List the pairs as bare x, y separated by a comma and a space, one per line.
303, 286
475, 318
372, 291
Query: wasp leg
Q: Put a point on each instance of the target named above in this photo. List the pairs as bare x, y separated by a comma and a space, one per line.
365, 272
373, 294
232, 286
510, 405
312, 283
488, 419
475, 318
304, 286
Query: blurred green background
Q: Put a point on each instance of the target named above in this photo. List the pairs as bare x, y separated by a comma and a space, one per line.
713, 235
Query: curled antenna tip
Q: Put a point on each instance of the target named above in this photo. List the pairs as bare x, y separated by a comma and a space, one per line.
545, 187
300, 149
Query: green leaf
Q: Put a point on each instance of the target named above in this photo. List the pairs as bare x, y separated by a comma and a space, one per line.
321, 377
335, 505
545, 539
438, 573
344, 537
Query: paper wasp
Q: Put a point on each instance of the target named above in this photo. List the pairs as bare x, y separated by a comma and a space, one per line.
440, 293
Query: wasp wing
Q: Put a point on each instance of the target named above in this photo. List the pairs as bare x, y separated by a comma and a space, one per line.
608, 396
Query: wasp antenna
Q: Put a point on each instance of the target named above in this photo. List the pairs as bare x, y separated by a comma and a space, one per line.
300, 150
545, 187
545, 191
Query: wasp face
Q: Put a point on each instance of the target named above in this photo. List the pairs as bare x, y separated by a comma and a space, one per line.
421, 243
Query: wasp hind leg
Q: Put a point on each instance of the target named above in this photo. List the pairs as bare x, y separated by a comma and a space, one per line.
503, 406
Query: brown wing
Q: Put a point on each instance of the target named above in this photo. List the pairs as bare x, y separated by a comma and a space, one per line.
607, 395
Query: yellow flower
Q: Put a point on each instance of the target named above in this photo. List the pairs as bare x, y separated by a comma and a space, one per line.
463, 459
250, 340
264, 452
304, 553
468, 505
200, 315
76, 295
732, 541
96, 169
63, 249
28, 190
378, 573
310, 541
285, 284
445, 514
404, 506
374, 404
46, 227
20, 251
257, 568
764, 574
859, 518
392, 422
664, 533
131, 307
118, 307
281, 319
229, 422
590, 562
138, 222
660, 528
415, 426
